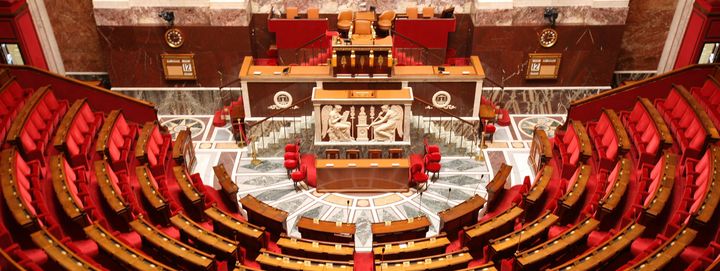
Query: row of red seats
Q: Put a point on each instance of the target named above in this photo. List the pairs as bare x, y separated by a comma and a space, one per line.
36, 122
687, 121
12, 98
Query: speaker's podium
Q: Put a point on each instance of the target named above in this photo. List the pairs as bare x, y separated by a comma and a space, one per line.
371, 57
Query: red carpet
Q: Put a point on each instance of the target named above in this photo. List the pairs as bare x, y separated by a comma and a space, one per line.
364, 261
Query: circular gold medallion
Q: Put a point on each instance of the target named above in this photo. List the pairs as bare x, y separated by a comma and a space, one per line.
174, 37
548, 37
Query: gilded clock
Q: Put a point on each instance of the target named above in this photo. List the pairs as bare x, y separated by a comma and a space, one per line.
174, 37
548, 37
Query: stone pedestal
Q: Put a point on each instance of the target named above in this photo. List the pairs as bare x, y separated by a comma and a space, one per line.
362, 132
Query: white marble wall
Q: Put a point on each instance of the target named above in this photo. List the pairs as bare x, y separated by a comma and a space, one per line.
238, 12
187, 12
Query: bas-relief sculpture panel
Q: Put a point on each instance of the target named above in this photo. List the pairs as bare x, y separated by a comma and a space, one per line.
354, 123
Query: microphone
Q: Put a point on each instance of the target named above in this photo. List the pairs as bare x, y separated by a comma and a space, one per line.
482, 176
348, 210
382, 257
522, 222
420, 205
447, 200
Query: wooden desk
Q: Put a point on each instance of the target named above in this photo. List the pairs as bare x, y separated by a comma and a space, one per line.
116, 249
58, 252
64, 127
249, 235
623, 140
423, 247
10, 190
533, 257
665, 135
465, 213
110, 190
219, 245
538, 188
367, 175
605, 251
711, 198
661, 195
316, 249
611, 200
448, 261
501, 224
149, 189
8, 262
708, 126
536, 229
18, 123
182, 149
672, 248
73, 209
228, 188
191, 193
389, 231
497, 185
172, 247
489, 266
541, 150
326, 230
259, 213
276, 261
105, 130
569, 200
240, 267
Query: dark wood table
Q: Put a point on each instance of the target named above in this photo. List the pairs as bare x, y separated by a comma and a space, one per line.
362, 175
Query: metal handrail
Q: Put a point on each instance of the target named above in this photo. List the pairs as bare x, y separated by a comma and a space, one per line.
301, 101
444, 111
427, 50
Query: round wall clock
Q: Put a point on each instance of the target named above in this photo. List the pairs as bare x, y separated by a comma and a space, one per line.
174, 37
548, 37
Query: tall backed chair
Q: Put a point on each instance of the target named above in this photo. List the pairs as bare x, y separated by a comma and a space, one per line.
291, 12
428, 12
385, 22
363, 30
313, 13
411, 12
344, 22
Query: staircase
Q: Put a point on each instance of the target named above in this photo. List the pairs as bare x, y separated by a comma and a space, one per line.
455, 138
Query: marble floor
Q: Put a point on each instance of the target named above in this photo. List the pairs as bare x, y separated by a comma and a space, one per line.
460, 177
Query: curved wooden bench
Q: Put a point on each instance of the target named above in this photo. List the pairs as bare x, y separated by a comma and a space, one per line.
534, 257
66, 191
276, 261
576, 187
542, 179
498, 225
316, 249
59, 253
177, 250
421, 247
448, 261
108, 182
503, 245
119, 251
619, 178
604, 252
249, 235
222, 247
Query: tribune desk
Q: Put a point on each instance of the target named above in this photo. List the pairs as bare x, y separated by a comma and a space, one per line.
362, 175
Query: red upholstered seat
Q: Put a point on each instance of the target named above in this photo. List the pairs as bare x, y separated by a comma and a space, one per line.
291, 148
291, 156
290, 164
299, 175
